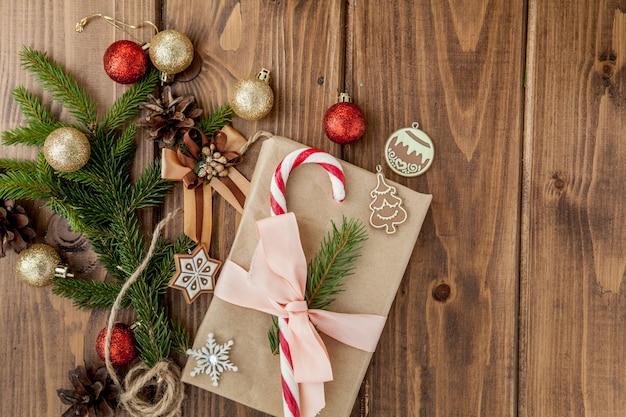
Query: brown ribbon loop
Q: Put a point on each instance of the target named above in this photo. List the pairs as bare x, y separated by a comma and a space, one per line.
180, 166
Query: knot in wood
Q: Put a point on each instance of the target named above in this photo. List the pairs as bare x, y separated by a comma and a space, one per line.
442, 292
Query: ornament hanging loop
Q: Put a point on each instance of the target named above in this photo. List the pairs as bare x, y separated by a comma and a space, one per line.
118, 24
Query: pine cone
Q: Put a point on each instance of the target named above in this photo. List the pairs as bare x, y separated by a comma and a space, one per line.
170, 117
93, 393
14, 227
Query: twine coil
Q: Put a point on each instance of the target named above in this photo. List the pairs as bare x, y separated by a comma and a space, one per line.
148, 392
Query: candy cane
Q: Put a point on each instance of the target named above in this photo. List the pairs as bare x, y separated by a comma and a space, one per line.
278, 201
278, 205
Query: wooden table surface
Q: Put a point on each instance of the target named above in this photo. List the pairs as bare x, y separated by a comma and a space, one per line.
526, 104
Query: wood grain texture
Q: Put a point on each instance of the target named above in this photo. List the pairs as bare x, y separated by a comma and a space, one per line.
527, 223
436, 63
575, 248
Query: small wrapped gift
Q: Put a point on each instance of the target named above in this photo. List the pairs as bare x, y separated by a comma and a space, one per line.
370, 290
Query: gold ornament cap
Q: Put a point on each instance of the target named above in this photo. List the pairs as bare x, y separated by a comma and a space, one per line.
171, 52
37, 266
67, 149
253, 98
344, 98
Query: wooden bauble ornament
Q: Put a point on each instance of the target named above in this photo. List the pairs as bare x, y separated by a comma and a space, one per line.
67, 149
409, 152
171, 52
253, 98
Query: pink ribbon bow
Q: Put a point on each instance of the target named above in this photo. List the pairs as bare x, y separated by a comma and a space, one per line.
276, 284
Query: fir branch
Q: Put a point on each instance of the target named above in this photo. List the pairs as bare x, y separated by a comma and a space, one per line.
220, 118
89, 294
124, 147
34, 135
180, 337
32, 107
333, 261
20, 185
127, 105
63, 86
23, 165
150, 189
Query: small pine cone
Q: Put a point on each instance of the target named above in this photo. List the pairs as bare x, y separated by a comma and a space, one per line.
169, 117
15, 227
93, 393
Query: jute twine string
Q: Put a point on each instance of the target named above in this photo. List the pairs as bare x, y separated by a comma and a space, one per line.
147, 392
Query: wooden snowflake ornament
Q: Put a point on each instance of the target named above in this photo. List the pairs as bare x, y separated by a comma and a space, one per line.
195, 273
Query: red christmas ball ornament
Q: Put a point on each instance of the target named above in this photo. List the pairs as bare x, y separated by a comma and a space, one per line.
123, 344
344, 121
125, 62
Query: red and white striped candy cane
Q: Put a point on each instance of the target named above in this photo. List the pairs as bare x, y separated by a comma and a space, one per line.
278, 203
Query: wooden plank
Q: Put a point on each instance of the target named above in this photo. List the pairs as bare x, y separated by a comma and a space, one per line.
574, 254
44, 335
302, 45
455, 67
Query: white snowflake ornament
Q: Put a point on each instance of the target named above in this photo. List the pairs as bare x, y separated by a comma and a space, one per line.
212, 359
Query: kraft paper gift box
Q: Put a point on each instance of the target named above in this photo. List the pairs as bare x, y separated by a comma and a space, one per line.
370, 290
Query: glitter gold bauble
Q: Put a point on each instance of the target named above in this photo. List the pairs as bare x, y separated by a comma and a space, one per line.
170, 51
252, 99
67, 149
36, 265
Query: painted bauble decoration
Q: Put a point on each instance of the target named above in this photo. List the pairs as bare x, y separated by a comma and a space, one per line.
344, 121
125, 62
67, 149
253, 98
409, 152
171, 52
123, 344
37, 265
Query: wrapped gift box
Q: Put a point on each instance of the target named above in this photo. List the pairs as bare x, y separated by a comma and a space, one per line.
371, 289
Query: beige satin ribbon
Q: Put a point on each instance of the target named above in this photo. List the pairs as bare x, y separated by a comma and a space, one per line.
173, 169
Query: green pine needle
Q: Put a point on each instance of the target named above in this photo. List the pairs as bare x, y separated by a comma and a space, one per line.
34, 135
63, 86
333, 261
23, 165
31, 106
220, 118
22, 185
127, 106
89, 294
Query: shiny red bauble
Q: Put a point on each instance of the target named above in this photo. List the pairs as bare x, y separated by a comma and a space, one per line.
125, 62
123, 344
344, 123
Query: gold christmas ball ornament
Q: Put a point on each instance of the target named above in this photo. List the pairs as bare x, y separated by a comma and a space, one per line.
253, 98
171, 52
38, 265
67, 149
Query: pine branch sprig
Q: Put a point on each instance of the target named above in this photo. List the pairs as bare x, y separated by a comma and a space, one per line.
333, 261
33, 135
22, 185
89, 294
217, 120
127, 106
23, 165
32, 108
63, 86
